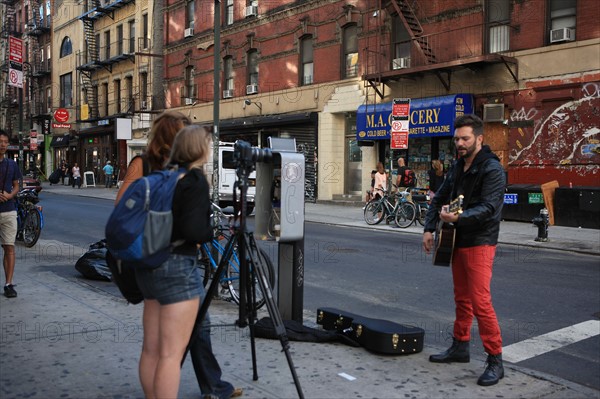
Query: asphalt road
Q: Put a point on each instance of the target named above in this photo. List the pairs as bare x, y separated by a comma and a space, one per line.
385, 275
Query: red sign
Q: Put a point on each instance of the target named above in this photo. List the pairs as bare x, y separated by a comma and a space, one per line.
401, 108
15, 51
61, 115
61, 125
399, 141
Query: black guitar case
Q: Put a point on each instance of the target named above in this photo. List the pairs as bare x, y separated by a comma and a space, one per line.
376, 335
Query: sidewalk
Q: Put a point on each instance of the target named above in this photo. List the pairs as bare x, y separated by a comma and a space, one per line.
63, 338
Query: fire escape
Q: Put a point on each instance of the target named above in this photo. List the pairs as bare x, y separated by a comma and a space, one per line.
92, 58
38, 30
436, 53
9, 94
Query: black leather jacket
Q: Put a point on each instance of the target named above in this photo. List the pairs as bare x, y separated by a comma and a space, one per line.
483, 186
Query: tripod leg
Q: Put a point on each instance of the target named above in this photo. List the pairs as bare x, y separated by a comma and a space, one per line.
258, 267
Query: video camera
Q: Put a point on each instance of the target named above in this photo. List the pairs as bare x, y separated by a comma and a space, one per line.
245, 156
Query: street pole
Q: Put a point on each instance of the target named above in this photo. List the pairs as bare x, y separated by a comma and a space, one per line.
216, 99
21, 130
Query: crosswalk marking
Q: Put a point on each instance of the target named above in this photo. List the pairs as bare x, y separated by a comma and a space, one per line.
544, 343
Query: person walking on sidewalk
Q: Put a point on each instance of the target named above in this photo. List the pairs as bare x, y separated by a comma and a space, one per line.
76, 173
206, 367
479, 177
10, 175
108, 172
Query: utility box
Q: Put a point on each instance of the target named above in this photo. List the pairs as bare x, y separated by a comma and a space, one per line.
279, 216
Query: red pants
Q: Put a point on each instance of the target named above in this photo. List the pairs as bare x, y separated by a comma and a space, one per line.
472, 274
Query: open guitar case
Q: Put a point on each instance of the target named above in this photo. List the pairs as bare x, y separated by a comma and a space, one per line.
376, 335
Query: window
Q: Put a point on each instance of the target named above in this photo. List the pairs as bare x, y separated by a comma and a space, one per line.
107, 42
350, 47
144, 90
129, 88
105, 97
95, 49
145, 30
189, 91
131, 36
228, 72
190, 9
563, 14
66, 47
93, 112
401, 41
117, 96
229, 12
66, 90
252, 67
306, 55
498, 19
49, 99
120, 39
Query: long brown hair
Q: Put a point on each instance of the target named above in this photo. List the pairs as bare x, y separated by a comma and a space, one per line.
163, 132
191, 147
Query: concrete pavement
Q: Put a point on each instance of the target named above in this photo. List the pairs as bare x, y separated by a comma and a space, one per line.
65, 338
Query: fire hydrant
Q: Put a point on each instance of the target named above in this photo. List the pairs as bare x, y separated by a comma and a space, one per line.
542, 223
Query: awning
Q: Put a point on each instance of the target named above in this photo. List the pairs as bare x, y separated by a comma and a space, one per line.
429, 117
60, 141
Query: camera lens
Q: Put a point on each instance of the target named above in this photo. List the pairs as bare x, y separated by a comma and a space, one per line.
262, 155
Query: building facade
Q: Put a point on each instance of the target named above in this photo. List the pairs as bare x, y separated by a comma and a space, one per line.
326, 72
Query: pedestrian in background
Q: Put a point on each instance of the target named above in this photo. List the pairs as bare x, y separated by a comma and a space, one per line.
10, 175
380, 181
479, 177
108, 172
369, 194
76, 173
436, 177
206, 367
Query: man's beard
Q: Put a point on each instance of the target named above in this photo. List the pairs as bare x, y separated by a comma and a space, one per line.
469, 150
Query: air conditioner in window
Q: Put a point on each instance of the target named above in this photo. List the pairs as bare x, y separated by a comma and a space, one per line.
562, 35
493, 112
252, 89
189, 32
401, 63
188, 101
49, 110
251, 11
227, 93
144, 105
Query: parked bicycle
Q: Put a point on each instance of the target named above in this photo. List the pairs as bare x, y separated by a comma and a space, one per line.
421, 199
210, 255
394, 207
30, 219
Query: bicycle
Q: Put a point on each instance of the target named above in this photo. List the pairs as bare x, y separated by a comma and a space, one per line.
30, 219
211, 254
421, 201
401, 211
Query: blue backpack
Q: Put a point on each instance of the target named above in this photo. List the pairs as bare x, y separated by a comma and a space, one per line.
140, 226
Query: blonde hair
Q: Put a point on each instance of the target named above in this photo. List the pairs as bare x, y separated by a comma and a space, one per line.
439, 168
191, 147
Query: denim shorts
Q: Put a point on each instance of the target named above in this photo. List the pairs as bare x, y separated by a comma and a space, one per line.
176, 280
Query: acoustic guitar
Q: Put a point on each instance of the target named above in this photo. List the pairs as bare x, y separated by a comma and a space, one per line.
445, 235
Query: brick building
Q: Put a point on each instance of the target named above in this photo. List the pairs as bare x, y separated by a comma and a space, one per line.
325, 72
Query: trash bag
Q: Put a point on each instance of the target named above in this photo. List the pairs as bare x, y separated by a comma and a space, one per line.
54, 177
92, 264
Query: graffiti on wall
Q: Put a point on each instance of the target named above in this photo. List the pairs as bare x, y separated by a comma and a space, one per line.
567, 135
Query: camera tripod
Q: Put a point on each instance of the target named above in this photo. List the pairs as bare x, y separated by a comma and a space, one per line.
252, 268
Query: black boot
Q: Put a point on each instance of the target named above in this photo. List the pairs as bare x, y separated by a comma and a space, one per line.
493, 372
458, 352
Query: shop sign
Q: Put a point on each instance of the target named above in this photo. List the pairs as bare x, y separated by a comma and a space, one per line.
61, 115
511, 199
535, 198
61, 125
428, 117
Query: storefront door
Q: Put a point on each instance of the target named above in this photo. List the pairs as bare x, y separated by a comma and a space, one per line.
353, 167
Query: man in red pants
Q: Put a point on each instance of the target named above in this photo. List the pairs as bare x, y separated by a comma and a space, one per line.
480, 178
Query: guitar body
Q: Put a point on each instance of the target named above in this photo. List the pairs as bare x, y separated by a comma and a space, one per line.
445, 236
444, 244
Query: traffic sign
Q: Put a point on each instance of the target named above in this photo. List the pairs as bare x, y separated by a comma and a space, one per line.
15, 51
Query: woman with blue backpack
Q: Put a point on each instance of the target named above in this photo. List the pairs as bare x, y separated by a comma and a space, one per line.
172, 292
